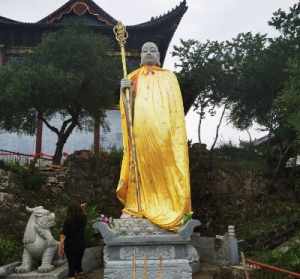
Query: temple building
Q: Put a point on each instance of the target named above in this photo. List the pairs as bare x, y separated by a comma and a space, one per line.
19, 38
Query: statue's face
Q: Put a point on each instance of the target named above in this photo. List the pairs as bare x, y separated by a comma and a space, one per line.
150, 54
45, 219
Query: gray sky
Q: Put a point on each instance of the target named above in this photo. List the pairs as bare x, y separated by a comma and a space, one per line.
205, 19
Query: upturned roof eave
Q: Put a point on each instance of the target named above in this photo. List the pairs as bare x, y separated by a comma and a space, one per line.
6, 20
176, 13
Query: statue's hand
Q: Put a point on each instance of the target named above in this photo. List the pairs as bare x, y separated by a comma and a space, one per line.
125, 83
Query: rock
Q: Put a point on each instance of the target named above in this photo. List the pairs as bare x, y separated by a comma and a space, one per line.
6, 199
4, 178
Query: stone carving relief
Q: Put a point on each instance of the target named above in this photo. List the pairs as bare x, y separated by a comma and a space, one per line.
126, 253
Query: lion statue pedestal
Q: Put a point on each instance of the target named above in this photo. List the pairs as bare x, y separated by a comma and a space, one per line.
40, 248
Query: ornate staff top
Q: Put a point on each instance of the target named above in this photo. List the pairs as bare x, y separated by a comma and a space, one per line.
121, 37
121, 33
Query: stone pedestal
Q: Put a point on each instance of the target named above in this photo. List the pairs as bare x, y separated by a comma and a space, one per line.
135, 248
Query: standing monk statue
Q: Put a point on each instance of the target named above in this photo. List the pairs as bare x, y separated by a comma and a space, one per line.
154, 181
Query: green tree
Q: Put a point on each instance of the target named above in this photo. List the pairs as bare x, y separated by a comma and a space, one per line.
244, 74
288, 103
69, 74
220, 74
263, 73
286, 118
203, 73
261, 82
287, 22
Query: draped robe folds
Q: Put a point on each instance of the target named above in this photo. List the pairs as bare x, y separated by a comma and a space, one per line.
161, 148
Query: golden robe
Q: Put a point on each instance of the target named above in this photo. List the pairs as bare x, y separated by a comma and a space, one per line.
161, 147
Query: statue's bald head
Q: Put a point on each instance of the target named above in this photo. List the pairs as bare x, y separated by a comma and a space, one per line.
150, 54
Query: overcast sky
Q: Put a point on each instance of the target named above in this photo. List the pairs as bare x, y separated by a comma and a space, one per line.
205, 19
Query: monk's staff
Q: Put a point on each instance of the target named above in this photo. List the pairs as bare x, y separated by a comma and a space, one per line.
121, 36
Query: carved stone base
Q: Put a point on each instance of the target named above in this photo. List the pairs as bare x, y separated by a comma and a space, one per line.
135, 248
152, 269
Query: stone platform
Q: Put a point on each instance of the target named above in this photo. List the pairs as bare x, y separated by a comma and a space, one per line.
58, 273
136, 248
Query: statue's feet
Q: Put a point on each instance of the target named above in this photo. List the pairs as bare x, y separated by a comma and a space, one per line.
128, 216
22, 269
45, 268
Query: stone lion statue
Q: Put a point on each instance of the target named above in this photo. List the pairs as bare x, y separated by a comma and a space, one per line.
39, 245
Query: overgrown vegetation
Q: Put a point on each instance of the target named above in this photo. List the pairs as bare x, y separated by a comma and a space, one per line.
232, 193
10, 250
286, 255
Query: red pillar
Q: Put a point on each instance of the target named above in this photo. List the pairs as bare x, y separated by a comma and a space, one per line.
39, 135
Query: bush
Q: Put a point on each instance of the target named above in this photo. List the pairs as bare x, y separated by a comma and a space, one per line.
229, 151
287, 257
10, 250
29, 178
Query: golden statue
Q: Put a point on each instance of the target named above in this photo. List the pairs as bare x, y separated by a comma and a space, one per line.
154, 181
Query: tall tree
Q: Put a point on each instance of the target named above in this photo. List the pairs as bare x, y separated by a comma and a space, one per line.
287, 22
287, 105
247, 74
69, 75
263, 73
203, 74
290, 99
265, 85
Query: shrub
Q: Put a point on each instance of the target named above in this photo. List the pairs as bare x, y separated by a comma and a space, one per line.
90, 235
10, 250
33, 181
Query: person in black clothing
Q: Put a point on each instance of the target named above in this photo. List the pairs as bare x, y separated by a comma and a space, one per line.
72, 242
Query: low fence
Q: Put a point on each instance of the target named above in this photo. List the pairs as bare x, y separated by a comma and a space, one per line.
265, 271
25, 159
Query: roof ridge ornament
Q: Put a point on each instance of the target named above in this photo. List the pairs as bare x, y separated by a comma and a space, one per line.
79, 8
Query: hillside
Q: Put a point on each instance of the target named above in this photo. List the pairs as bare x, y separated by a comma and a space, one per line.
224, 192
